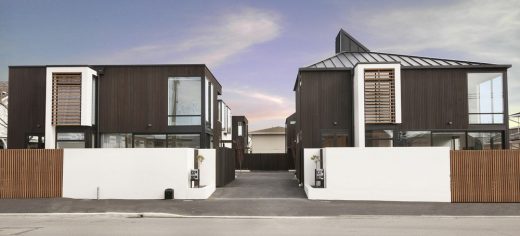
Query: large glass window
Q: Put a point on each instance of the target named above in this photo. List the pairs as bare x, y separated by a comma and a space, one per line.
415, 139
116, 140
379, 138
485, 98
184, 101
70, 140
456, 141
150, 141
484, 140
184, 140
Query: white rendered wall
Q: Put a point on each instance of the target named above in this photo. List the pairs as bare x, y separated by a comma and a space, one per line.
86, 100
309, 165
384, 174
136, 173
359, 98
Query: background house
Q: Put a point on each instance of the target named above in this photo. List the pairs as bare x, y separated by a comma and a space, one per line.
270, 140
4, 103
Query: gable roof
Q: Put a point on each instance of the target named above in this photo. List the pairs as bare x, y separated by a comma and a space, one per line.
273, 130
347, 60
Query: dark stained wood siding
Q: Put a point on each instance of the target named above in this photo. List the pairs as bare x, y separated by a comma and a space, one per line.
131, 97
431, 98
217, 126
26, 104
325, 97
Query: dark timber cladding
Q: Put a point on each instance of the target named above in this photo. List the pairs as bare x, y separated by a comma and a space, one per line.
432, 98
325, 103
131, 98
26, 104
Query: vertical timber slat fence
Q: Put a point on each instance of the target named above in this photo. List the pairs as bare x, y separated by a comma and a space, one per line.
485, 176
267, 161
225, 166
31, 173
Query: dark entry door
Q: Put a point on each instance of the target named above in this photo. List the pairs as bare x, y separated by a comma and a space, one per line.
334, 138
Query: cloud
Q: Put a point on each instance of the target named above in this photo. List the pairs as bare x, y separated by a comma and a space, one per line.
261, 108
258, 95
217, 40
479, 30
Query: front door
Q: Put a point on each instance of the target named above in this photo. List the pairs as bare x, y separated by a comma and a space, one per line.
334, 138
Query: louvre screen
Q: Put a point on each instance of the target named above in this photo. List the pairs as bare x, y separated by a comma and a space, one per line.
66, 99
379, 96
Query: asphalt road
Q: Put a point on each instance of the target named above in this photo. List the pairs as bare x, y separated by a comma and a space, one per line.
259, 194
346, 225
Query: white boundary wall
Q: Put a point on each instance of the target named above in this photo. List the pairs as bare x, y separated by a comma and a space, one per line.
135, 173
381, 174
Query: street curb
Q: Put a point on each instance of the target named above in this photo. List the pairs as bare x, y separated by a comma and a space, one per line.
172, 216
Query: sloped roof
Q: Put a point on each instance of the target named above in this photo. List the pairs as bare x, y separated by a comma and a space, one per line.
351, 59
345, 42
273, 130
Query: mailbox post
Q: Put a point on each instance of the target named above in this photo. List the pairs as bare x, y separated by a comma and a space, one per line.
319, 177
195, 178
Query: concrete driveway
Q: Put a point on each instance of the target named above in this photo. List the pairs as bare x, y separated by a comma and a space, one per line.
261, 184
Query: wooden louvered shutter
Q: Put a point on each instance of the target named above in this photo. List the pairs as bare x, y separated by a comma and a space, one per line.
379, 96
66, 99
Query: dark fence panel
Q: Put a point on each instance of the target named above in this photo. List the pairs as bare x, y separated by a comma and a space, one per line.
267, 161
225, 166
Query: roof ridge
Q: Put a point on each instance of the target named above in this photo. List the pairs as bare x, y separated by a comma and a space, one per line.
405, 60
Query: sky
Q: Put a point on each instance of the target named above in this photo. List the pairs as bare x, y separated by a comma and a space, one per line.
254, 48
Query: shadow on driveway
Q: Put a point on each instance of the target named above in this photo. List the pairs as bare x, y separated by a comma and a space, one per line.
261, 184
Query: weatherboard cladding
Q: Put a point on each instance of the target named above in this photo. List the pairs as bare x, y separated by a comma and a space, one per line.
351, 59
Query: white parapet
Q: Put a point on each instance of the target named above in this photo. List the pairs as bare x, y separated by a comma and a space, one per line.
136, 173
382, 174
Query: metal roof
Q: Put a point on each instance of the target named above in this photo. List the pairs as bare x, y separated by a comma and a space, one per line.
351, 59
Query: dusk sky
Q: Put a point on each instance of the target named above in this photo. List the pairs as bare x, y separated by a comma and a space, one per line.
254, 48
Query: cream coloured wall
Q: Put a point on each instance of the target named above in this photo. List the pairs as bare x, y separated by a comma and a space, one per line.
268, 143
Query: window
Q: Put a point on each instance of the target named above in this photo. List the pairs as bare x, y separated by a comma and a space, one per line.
484, 140
415, 139
35, 142
379, 96
66, 99
456, 141
184, 140
208, 104
70, 140
485, 98
379, 138
184, 101
150, 141
239, 128
116, 140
